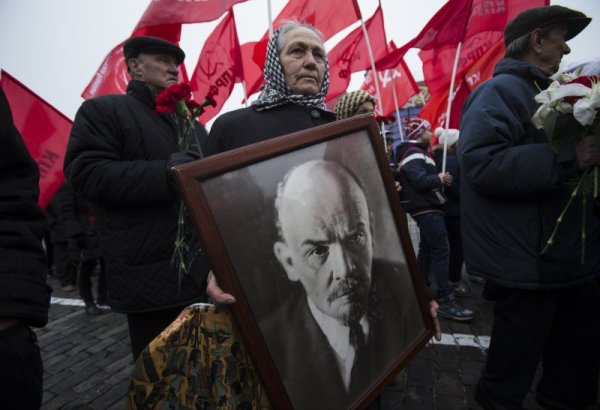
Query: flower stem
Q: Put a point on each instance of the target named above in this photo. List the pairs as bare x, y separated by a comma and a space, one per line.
574, 193
583, 234
595, 189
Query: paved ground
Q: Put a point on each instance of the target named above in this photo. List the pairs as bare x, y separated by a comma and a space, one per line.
87, 359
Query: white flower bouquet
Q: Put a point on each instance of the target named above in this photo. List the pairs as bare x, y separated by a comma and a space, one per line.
570, 108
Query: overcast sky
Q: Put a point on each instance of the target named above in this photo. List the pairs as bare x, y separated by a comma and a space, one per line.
54, 47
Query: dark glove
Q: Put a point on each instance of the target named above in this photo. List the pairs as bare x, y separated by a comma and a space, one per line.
178, 158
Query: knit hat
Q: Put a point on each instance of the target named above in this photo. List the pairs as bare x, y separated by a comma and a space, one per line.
451, 134
150, 44
415, 127
348, 103
539, 17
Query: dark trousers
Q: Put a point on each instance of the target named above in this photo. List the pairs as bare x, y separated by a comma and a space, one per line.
64, 269
85, 281
21, 369
456, 248
434, 251
144, 327
561, 328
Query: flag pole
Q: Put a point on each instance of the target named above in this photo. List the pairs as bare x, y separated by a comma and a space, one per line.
450, 98
245, 93
270, 15
368, 43
397, 108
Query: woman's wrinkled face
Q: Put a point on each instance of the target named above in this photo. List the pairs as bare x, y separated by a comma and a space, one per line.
303, 60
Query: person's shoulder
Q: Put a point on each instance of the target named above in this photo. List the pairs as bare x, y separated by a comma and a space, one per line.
236, 115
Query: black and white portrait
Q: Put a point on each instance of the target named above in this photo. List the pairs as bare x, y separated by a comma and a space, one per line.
313, 241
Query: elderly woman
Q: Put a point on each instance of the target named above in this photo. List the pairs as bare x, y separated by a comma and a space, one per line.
297, 78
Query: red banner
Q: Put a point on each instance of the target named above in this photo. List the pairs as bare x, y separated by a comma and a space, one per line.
435, 110
112, 76
161, 12
459, 20
329, 17
44, 130
351, 54
398, 81
219, 67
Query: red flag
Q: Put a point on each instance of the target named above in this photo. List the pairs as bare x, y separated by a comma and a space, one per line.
219, 67
112, 76
161, 12
351, 54
484, 28
436, 108
459, 20
329, 17
398, 80
45, 132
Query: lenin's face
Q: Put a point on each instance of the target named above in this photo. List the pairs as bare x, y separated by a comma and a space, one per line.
327, 243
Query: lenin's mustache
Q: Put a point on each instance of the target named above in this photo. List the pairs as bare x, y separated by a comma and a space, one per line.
345, 286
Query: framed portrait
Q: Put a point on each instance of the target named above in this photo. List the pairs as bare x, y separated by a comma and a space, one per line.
307, 232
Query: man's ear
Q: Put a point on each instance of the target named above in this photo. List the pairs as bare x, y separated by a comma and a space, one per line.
133, 67
536, 40
282, 253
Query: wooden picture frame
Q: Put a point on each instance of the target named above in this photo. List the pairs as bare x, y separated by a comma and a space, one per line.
231, 197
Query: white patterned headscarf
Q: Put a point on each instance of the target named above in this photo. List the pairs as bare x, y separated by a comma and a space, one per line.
276, 92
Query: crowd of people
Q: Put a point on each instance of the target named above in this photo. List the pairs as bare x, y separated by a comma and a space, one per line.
484, 201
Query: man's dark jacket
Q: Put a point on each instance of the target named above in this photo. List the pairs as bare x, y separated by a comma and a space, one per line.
512, 190
24, 293
117, 159
306, 361
418, 176
246, 126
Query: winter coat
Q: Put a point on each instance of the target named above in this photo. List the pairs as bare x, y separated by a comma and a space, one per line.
117, 159
512, 189
24, 293
246, 126
418, 177
73, 224
452, 191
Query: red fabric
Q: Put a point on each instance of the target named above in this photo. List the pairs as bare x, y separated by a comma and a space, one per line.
161, 12
219, 67
329, 17
436, 108
398, 79
480, 50
459, 20
112, 76
351, 54
45, 132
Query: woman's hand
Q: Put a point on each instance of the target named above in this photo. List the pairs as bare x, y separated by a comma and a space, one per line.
216, 293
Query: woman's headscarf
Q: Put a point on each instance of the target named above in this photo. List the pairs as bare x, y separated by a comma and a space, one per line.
276, 91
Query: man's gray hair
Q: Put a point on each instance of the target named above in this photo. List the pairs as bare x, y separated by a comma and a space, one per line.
289, 25
521, 45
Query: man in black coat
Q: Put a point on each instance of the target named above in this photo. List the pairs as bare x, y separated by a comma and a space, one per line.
356, 315
546, 304
119, 157
24, 294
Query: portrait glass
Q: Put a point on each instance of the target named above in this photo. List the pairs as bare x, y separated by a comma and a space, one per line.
328, 296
